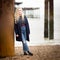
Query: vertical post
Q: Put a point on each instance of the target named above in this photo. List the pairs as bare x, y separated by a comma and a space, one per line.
49, 32
6, 28
51, 21
46, 20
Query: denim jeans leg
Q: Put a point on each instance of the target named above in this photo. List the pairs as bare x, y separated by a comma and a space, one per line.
25, 46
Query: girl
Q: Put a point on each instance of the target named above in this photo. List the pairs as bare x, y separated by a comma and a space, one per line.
22, 30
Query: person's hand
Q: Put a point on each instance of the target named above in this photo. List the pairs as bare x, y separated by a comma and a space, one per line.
17, 35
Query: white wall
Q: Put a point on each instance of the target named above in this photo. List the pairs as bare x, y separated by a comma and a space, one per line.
36, 25
38, 37
57, 19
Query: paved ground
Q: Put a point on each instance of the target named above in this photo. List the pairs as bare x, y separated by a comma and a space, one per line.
44, 52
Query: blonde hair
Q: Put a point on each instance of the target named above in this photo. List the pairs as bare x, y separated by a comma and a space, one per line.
17, 14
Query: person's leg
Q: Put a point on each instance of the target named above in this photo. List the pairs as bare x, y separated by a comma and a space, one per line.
25, 46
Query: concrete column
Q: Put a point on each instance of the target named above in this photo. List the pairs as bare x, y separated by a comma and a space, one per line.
6, 28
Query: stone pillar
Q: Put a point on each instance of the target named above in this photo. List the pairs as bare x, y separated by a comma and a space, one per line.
6, 28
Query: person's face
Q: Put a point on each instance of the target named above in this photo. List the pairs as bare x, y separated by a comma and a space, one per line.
20, 12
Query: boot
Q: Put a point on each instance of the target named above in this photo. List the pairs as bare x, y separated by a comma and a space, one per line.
25, 53
31, 54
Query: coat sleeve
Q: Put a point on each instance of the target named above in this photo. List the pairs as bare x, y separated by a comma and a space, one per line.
16, 28
27, 24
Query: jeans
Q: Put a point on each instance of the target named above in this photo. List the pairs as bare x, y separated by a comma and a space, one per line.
25, 46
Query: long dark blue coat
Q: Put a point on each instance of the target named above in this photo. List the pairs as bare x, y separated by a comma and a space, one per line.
17, 27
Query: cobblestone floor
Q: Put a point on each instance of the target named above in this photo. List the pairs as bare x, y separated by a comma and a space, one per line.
44, 52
